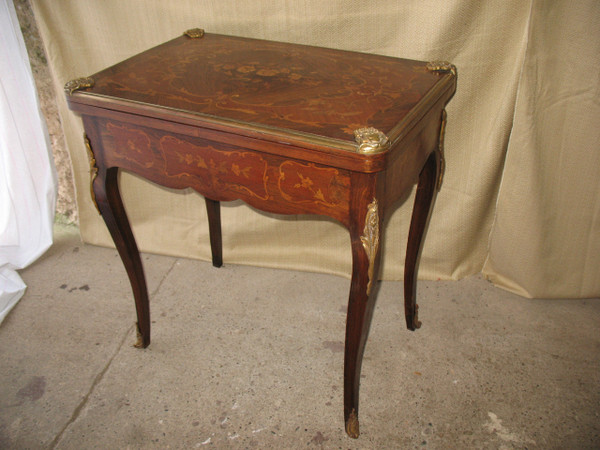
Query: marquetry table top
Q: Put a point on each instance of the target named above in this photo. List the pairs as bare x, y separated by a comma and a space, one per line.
274, 89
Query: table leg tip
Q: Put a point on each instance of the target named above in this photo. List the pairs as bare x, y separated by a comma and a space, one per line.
412, 320
352, 427
140, 341
140, 344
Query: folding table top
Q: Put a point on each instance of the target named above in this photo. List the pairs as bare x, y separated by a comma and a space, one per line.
278, 89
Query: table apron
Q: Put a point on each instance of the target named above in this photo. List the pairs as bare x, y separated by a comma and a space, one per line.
304, 149
221, 171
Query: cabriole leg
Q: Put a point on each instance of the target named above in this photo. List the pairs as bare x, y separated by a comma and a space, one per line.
110, 205
365, 259
424, 200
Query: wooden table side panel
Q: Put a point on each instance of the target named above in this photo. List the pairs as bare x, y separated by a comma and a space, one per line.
298, 147
406, 164
225, 172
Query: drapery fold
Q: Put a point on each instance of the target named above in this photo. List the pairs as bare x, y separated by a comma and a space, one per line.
500, 208
546, 237
27, 174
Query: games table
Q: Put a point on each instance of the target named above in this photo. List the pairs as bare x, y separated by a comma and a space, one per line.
286, 128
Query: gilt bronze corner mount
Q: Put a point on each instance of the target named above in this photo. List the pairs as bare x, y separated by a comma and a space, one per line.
441, 67
78, 83
370, 140
194, 33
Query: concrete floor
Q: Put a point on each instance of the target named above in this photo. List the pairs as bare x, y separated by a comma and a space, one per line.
244, 357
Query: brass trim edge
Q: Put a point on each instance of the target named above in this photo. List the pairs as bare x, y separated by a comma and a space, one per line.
370, 140
93, 170
396, 134
194, 33
78, 83
420, 109
441, 67
279, 133
370, 239
441, 150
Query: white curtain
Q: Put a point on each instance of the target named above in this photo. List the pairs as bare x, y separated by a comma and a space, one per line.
27, 173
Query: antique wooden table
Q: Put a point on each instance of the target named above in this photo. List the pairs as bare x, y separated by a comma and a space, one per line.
288, 129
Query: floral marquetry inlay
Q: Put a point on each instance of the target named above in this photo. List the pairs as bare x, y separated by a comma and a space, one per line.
307, 183
304, 89
215, 169
133, 144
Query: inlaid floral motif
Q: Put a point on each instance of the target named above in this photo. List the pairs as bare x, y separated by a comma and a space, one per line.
131, 144
272, 84
214, 169
324, 185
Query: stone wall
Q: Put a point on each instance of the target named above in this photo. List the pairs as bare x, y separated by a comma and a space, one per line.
66, 206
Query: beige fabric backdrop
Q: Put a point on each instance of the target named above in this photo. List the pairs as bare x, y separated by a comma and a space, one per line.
530, 221
546, 236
